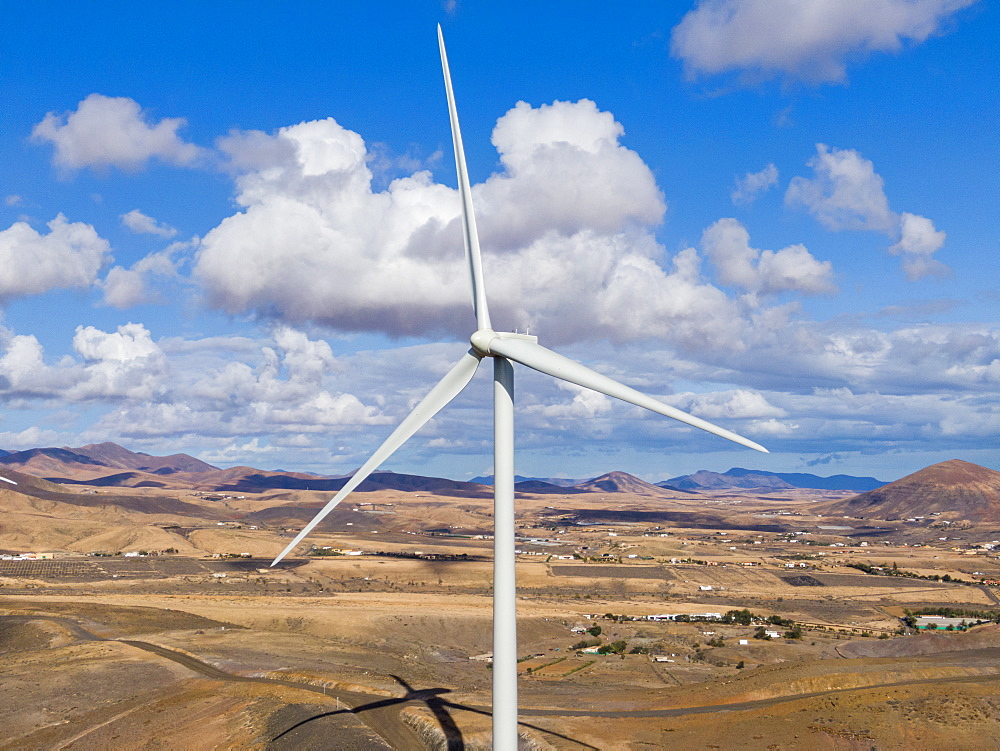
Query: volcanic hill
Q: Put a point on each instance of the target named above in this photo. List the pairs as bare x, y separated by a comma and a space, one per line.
955, 489
113, 455
620, 482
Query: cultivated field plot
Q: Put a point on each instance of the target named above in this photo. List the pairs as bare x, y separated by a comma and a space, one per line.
881, 582
53, 569
733, 578
802, 580
99, 569
614, 572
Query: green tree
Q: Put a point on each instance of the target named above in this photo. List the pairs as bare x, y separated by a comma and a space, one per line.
615, 647
742, 617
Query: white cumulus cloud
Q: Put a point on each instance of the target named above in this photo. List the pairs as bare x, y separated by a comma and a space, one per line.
808, 40
108, 131
130, 342
68, 257
586, 404
29, 438
567, 227
275, 389
735, 403
121, 365
752, 184
138, 284
124, 288
918, 240
564, 171
141, 224
211, 388
727, 245
847, 194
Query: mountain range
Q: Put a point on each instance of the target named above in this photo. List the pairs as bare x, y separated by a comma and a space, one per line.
738, 477
954, 489
110, 465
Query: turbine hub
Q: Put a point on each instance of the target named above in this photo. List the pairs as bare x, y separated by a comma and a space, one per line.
481, 340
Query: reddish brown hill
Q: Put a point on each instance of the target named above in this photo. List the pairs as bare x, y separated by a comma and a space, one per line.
955, 488
620, 482
98, 460
49, 461
113, 455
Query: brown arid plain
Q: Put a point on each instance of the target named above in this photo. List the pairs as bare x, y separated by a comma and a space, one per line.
376, 635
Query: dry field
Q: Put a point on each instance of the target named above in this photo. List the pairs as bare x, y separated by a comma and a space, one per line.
186, 650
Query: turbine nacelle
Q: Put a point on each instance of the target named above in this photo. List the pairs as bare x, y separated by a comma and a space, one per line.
483, 338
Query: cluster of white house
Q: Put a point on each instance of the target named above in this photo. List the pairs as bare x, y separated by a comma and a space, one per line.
27, 556
342, 551
690, 616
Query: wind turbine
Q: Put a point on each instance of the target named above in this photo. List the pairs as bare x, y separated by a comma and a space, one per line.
504, 348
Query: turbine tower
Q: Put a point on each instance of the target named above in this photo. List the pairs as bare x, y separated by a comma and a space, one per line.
504, 348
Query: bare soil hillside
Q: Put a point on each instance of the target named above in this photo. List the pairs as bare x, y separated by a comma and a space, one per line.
620, 482
955, 489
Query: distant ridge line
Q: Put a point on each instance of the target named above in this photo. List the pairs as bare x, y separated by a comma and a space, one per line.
737, 477
76, 466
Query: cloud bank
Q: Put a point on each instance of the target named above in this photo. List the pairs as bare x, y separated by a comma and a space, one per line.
567, 225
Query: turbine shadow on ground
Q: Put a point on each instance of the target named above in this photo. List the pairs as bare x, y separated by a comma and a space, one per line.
431, 697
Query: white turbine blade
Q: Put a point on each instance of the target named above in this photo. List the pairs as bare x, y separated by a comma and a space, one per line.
470, 233
546, 361
447, 389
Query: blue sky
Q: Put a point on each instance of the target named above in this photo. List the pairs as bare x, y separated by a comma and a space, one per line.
234, 233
